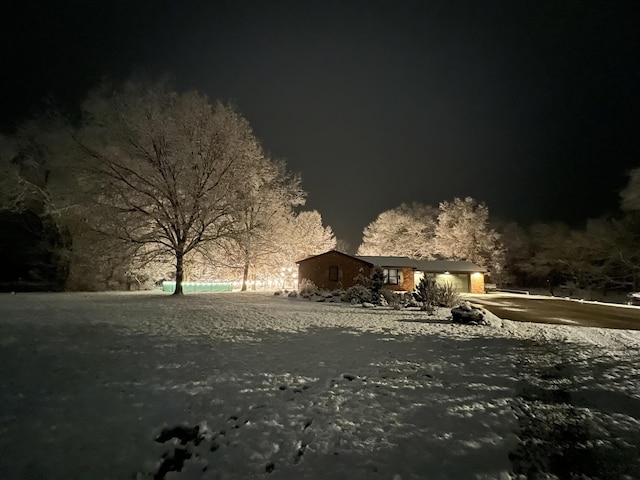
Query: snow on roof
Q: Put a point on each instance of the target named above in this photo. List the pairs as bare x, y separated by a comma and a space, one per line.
390, 261
432, 266
448, 266
424, 265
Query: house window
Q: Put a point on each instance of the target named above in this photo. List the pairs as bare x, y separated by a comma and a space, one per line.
391, 276
334, 273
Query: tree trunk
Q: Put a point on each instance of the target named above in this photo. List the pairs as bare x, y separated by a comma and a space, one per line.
179, 273
245, 275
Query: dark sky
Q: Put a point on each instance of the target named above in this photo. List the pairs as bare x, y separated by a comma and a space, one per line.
532, 107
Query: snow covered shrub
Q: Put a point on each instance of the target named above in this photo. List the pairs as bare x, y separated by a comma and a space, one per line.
338, 293
431, 295
362, 279
393, 299
427, 293
447, 295
377, 282
357, 294
308, 288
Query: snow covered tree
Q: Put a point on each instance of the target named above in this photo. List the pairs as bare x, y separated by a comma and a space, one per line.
305, 235
517, 254
407, 230
29, 208
32, 163
342, 246
12, 185
463, 233
603, 255
166, 167
619, 252
265, 197
549, 243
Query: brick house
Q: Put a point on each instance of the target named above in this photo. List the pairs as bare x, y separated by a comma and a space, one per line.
333, 269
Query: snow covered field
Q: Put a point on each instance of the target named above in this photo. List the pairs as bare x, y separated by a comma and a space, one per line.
93, 384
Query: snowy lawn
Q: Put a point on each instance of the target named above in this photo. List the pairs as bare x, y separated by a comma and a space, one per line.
93, 384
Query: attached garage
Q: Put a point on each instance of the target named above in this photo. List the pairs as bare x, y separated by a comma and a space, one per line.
460, 281
466, 277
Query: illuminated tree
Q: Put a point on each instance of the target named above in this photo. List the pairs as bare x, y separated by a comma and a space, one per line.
265, 197
407, 230
166, 167
463, 233
304, 236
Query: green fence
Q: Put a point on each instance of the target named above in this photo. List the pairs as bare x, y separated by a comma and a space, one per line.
191, 287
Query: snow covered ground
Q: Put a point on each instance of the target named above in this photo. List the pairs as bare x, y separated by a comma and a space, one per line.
92, 386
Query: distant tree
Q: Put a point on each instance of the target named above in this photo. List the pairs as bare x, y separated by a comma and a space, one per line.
618, 240
630, 195
585, 256
407, 230
517, 254
265, 197
601, 256
305, 235
463, 233
549, 249
28, 210
25, 166
13, 187
343, 246
166, 167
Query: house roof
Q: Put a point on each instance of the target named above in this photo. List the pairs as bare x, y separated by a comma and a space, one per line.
431, 266
405, 262
454, 266
335, 252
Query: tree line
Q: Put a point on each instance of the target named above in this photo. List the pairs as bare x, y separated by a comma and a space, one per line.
148, 184
601, 256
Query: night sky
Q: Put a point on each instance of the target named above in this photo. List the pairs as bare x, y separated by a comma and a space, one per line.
532, 107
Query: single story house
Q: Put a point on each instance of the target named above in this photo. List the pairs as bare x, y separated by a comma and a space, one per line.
333, 269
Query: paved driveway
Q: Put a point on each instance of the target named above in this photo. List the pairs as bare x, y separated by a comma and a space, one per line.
559, 311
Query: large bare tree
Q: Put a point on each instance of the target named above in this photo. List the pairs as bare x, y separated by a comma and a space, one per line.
166, 167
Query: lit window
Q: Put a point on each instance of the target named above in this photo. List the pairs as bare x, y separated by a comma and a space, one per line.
334, 273
391, 276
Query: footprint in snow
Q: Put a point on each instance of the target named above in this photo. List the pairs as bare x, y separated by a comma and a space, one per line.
175, 458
